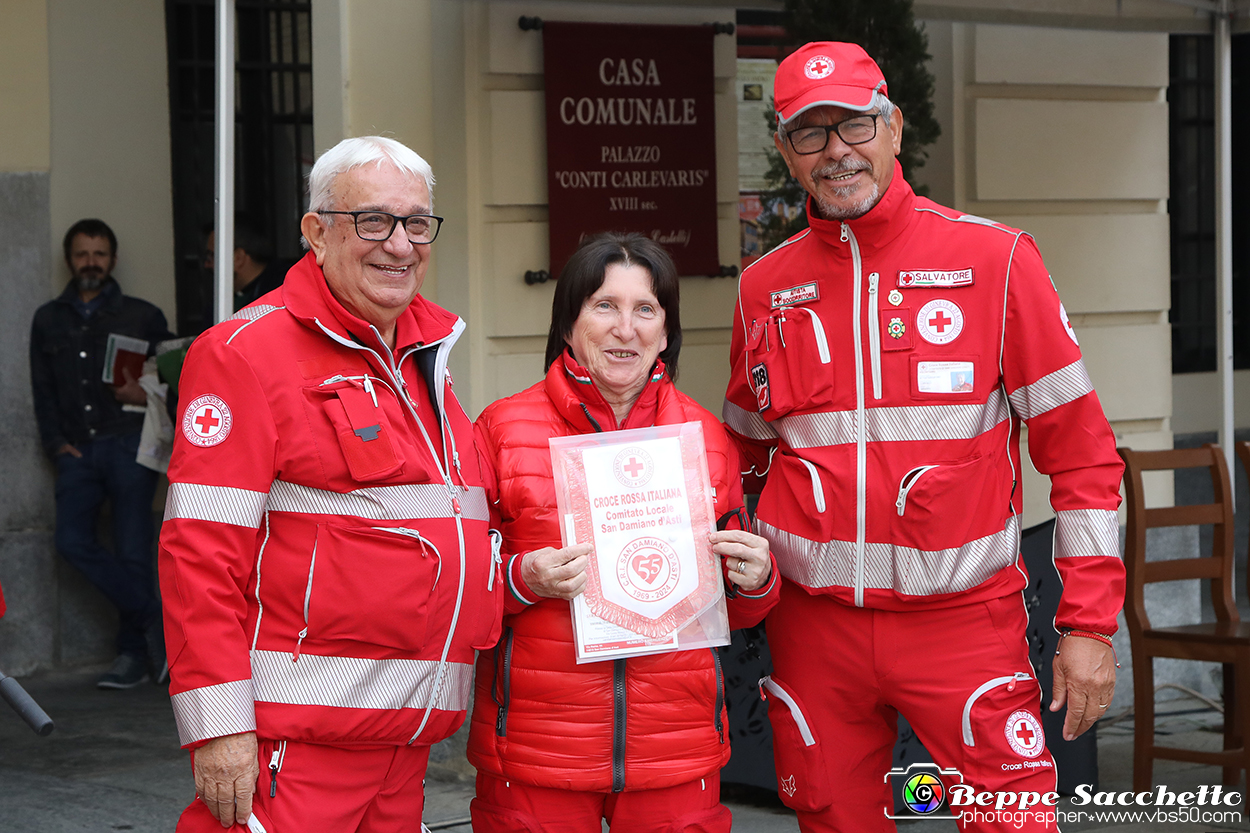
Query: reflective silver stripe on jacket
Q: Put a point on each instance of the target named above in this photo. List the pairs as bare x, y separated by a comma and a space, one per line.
357, 683
380, 503
1084, 532
908, 570
220, 504
251, 313
214, 711
747, 423
901, 424
1065, 385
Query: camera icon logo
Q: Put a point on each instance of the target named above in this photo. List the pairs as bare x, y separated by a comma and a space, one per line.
920, 791
923, 793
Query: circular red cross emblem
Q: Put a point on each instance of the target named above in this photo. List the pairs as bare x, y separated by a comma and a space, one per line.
633, 467
207, 421
1024, 734
819, 66
940, 321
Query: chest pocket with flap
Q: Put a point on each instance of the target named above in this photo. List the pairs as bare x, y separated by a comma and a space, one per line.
362, 428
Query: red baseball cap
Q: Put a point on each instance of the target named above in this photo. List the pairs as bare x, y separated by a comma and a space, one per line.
826, 73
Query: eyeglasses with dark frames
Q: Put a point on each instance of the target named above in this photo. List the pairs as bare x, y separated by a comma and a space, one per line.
376, 226
814, 138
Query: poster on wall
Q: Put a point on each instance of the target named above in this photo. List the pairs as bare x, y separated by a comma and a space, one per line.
631, 137
755, 135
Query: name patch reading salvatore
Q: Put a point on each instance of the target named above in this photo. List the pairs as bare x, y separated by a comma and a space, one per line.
930, 277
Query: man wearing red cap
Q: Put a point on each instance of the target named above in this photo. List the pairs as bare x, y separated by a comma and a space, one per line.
883, 361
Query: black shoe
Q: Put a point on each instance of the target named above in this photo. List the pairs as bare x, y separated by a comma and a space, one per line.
158, 667
128, 671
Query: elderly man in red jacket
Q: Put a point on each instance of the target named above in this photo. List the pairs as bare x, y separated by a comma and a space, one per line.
325, 562
883, 360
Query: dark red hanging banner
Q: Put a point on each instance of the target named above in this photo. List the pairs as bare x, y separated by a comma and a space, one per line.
631, 137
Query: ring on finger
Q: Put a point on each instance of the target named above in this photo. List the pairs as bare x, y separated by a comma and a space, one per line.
742, 566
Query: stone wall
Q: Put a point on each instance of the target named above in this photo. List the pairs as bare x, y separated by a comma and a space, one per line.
54, 617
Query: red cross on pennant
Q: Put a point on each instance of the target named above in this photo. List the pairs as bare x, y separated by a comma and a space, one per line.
634, 468
207, 421
940, 322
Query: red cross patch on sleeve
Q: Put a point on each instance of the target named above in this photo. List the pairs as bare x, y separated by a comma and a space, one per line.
207, 421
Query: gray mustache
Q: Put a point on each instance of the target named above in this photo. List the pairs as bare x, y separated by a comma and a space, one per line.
845, 166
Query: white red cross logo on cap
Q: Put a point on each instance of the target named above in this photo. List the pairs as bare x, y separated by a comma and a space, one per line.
819, 66
207, 421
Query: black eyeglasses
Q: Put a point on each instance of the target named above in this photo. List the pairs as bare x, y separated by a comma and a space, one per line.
853, 131
378, 225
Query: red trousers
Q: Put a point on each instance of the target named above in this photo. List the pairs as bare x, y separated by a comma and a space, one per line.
512, 807
336, 789
961, 676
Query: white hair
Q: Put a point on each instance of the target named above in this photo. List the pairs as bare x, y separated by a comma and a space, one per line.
357, 152
879, 103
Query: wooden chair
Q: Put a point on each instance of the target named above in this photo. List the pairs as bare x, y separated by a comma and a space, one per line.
1227, 640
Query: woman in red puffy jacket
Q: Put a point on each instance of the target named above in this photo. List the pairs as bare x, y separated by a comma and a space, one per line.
638, 741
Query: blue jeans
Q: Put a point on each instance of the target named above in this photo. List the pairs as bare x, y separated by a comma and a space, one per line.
107, 469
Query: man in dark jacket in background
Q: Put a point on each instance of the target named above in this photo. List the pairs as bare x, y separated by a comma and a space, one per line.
255, 269
90, 428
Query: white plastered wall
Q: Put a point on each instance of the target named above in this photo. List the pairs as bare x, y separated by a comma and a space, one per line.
462, 84
110, 152
506, 93
1064, 133
24, 93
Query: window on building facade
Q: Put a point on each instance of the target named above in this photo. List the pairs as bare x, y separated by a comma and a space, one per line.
1191, 112
273, 133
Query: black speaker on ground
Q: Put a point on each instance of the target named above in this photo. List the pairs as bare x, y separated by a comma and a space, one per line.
744, 661
747, 659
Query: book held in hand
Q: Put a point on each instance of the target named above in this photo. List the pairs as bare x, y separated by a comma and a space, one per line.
123, 353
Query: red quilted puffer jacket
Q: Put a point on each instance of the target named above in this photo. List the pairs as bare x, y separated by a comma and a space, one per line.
539, 717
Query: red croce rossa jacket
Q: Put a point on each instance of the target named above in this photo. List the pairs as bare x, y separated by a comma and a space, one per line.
538, 716
881, 369
326, 567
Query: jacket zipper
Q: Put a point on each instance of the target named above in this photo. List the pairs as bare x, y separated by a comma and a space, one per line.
496, 559
312, 566
861, 444
275, 766
505, 687
905, 485
874, 333
767, 687
1010, 681
426, 546
260, 605
618, 725
720, 694
365, 381
385, 360
818, 331
818, 489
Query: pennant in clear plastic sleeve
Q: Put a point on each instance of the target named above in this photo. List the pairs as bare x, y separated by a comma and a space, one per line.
644, 499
